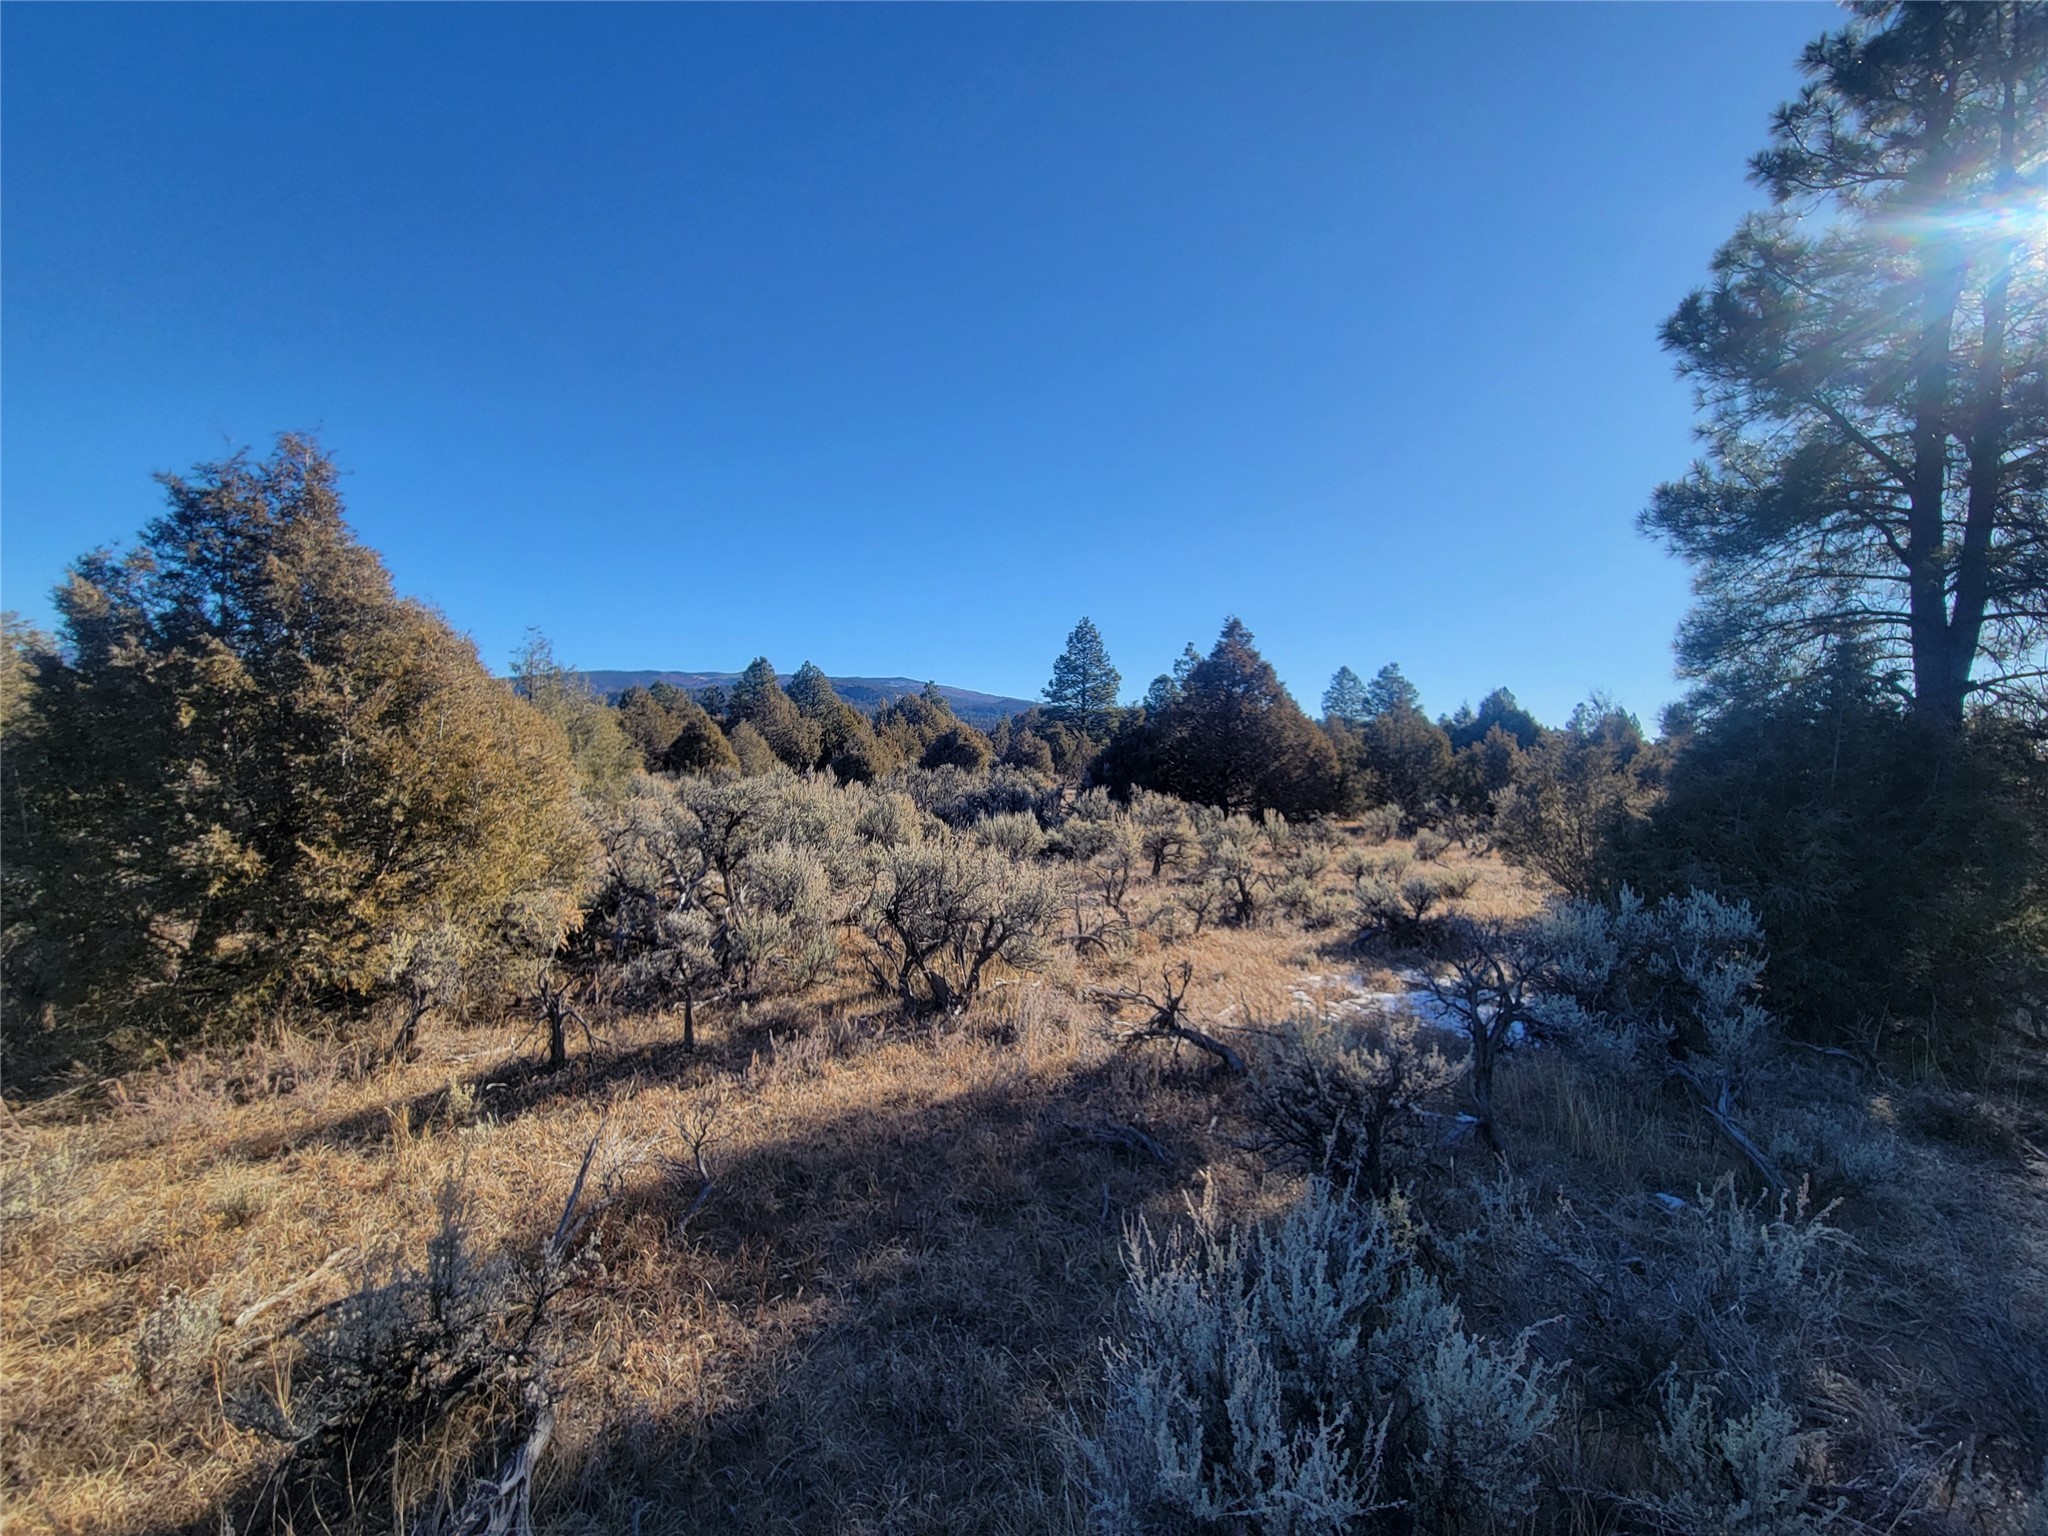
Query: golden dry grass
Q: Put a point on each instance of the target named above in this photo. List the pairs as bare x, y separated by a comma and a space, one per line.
878, 1321
885, 1314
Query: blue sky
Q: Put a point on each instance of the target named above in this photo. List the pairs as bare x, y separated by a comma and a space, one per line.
897, 338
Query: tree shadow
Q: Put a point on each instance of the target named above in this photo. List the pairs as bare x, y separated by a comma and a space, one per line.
909, 1290
513, 1088
954, 1262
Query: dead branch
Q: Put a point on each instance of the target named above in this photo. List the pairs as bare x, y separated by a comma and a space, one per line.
1112, 1133
501, 1505
1167, 1021
1716, 1107
254, 1310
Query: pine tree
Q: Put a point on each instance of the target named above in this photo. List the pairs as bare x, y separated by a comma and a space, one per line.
1869, 357
1390, 690
1345, 698
1084, 684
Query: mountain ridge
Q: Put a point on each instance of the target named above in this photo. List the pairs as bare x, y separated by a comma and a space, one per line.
867, 694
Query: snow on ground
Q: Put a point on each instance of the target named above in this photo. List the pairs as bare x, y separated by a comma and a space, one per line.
1349, 997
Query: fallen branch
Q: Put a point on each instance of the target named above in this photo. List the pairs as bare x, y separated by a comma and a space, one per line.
254, 1310
1111, 1133
502, 1505
1167, 1023
1717, 1111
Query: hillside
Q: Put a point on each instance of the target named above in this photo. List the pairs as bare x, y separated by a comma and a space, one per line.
863, 693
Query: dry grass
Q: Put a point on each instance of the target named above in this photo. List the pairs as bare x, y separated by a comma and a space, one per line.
876, 1321
886, 1309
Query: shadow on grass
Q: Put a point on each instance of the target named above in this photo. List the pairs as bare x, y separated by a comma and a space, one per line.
960, 1261
521, 1085
907, 1296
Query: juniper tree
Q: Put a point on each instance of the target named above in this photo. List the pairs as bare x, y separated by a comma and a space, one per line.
1409, 757
1869, 356
260, 775
1166, 687
652, 718
1235, 738
757, 700
602, 751
811, 691
699, 746
1084, 684
1498, 710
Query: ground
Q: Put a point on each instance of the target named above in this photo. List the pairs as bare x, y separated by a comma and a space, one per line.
884, 1313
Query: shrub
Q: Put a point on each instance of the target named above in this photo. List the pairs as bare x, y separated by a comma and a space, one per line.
1404, 907
945, 908
1165, 833
1380, 824
1736, 1476
1345, 1100
1299, 1378
1640, 980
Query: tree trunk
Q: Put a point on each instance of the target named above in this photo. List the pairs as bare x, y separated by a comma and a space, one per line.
1986, 444
1936, 698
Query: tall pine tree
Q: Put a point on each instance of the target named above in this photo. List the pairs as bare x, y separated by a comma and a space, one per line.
1869, 356
1084, 684
1345, 699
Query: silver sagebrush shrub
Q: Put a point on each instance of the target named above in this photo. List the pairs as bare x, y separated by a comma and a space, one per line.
1262, 1369
1734, 1476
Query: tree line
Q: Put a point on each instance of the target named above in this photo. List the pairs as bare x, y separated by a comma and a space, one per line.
246, 775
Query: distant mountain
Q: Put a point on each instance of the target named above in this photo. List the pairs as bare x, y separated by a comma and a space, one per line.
863, 693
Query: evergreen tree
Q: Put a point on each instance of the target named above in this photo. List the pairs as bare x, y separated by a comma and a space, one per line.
605, 756
752, 751
261, 778
1497, 711
757, 700
1236, 739
1390, 690
698, 747
652, 718
846, 741
1167, 686
1409, 757
1345, 698
1869, 357
811, 691
922, 728
750, 691
1084, 684
1578, 793
1901, 872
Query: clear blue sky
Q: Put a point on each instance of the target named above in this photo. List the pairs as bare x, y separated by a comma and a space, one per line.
898, 337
